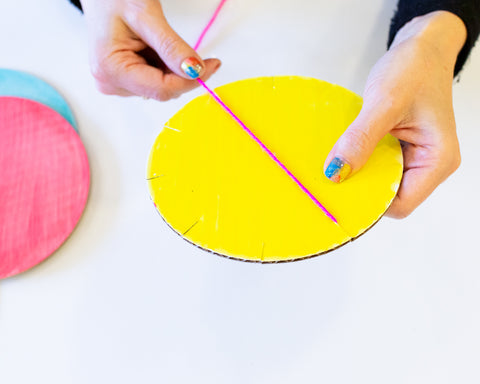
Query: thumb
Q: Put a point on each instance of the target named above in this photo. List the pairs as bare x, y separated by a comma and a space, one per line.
150, 24
357, 143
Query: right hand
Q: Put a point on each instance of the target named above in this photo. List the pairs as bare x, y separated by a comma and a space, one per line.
409, 94
134, 51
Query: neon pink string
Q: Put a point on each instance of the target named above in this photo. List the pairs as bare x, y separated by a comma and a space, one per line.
252, 135
212, 20
270, 153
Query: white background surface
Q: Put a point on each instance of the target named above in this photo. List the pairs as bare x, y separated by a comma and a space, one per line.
125, 300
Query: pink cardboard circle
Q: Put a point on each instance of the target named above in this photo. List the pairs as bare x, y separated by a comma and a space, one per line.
44, 183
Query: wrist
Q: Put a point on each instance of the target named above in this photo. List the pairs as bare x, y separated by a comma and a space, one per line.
440, 31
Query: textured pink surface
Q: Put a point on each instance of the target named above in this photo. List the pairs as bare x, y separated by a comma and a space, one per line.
44, 183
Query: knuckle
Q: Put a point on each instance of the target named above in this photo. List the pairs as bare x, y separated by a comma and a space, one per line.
391, 103
168, 45
105, 88
450, 162
401, 212
358, 140
401, 208
162, 95
100, 70
136, 10
455, 161
103, 72
385, 98
97, 71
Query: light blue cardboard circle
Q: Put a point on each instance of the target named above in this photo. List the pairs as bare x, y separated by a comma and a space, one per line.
21, 84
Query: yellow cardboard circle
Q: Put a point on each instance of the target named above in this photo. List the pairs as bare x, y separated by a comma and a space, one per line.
219, 190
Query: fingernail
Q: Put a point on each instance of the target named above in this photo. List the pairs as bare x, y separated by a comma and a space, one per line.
192, 67
338, 170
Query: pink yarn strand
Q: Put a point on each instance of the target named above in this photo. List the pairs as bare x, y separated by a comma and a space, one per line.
252, 135
212, 20
270, 153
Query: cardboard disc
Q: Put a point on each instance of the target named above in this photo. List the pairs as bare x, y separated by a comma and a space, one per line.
44, 183
21, 84
219, 190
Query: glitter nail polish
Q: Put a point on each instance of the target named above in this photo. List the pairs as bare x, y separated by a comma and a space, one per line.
192, 67
337, 170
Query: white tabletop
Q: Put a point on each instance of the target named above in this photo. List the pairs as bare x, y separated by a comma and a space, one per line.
126, 300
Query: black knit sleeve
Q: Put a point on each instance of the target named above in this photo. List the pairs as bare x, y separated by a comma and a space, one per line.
467, 10
77, 4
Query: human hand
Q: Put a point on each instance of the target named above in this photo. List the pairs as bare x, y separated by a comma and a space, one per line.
409, 95
134, 51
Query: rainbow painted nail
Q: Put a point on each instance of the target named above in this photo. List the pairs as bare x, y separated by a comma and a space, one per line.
337, 170
192, 67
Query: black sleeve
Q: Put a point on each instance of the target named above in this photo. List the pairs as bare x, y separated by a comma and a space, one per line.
77, 4
467, 10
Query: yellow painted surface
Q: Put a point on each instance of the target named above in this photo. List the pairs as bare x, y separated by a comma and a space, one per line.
218, 189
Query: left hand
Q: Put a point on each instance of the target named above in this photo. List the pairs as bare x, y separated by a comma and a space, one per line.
409, 95
134, 51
